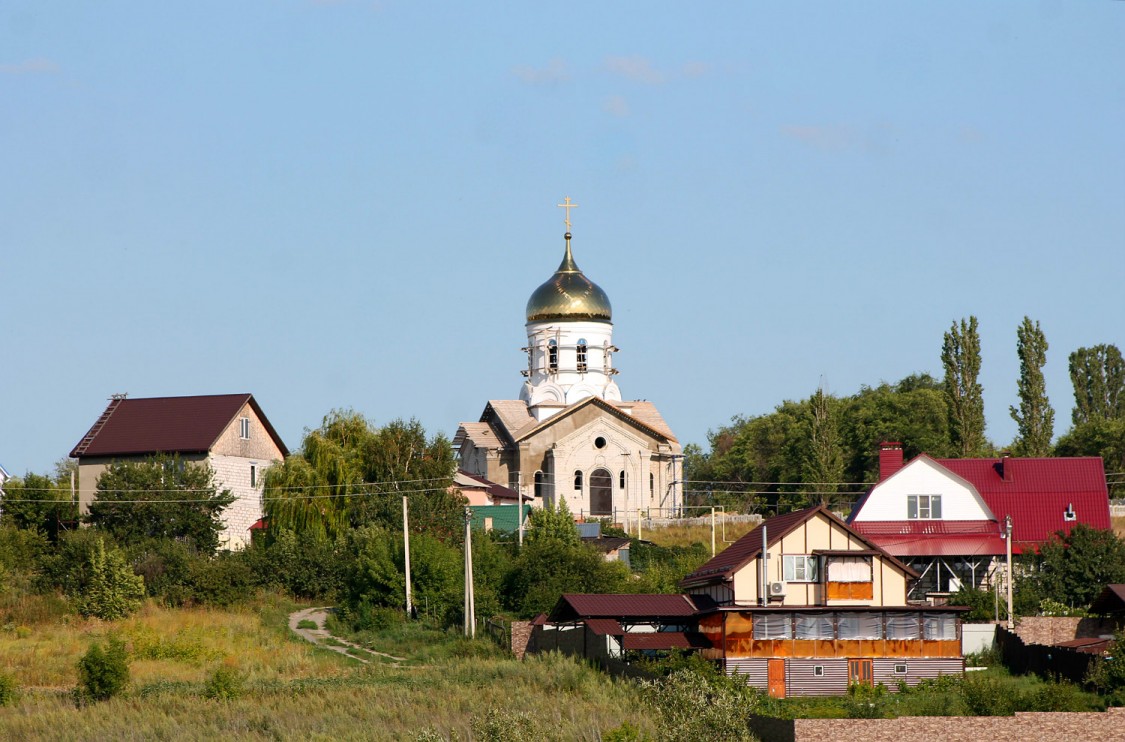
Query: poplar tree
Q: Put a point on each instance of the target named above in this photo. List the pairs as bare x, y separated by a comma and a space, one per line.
1035, 418
1098, 375
824, 461
960, 355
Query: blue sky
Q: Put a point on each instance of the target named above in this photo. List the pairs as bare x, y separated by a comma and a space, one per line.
347, 204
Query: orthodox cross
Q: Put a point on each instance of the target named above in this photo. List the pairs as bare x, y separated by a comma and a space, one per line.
568, 206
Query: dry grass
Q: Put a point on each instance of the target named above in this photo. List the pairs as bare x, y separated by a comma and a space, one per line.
293, 691
1118, 522
688, 535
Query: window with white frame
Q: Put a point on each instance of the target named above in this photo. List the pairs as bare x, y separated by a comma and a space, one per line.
244, 428
923, 507
848, 569
799, 568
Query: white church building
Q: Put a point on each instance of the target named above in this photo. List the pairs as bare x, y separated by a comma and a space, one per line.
570, 436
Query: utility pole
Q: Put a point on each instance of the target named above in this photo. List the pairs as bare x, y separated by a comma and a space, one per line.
406, 549
712, 531
470, 608
1008, 543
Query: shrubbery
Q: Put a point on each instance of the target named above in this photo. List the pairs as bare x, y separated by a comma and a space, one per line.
225, 684
9, 689
103, 673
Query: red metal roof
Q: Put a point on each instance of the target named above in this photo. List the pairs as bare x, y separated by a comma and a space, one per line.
906, 538
665, 640
573, 607
496, 491
1037, 492
604, 626
132, 427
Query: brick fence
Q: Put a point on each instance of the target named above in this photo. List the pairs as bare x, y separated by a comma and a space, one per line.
1055, 629
521, 638
1037, 726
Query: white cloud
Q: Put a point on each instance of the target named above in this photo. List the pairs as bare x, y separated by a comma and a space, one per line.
637, 69
37, 66
555, 72
616, 105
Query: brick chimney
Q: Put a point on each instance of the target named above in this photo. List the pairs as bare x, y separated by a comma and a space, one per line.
890, 458
1005, 466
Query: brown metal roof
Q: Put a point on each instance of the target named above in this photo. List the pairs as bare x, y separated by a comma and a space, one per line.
153, 425
665, 640
1110, 600
604, 626
574, 607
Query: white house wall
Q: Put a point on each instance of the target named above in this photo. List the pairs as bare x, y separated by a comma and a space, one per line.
959, 499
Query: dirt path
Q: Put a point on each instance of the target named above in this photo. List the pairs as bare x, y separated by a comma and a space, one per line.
320, 636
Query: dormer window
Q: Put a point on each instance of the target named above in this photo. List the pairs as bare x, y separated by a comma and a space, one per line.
552, 356
1069, 514
582, 355
923, 507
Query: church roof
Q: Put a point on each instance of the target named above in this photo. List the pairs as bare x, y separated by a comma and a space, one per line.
513, 414
480, 434
641, 414
646, 413
569, 295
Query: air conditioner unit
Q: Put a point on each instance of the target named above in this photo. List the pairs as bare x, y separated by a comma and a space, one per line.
777, 589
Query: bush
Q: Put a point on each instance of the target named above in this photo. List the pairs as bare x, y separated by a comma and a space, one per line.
304, 567
111, 591
9, 689
103, 673
625, 733
1107, 674
866, 701
691, 707
503, 725
225, 684
986, 696
1051, 696
306, 624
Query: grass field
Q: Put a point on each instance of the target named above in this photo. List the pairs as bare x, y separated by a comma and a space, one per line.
292, 689
688, 535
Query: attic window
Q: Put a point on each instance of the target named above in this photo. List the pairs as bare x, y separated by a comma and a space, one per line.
1069, 514
244, 428
923, 507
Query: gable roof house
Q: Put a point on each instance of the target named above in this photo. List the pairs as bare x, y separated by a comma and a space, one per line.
825, 607
946, 517
227, 431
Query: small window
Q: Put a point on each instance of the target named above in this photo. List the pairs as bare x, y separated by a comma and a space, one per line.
923, 507
552, 356
621, 479
244, 428
539, 484
599, 442
900, 669
582, 355
578, 479
651, 485
253, 475
818, 670
799, 568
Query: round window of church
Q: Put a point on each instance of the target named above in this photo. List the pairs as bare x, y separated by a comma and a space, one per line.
599, 442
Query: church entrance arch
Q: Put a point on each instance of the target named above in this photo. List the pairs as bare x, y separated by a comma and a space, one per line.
601, 493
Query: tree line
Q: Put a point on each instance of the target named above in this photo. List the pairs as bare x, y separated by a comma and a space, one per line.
824, 448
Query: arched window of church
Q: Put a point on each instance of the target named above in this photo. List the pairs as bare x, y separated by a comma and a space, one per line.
578, 479
539, 484
552, 356
582, 354
621, 479
651, 484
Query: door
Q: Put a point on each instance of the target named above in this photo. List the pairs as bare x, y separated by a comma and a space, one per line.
859, 671
601, 493
776, 672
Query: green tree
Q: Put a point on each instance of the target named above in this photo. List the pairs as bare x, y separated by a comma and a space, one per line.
960, 356
1073, 569
103, 673
1035, 418
547, 568
349, 474
1098, 376
823, 462
111, 591
42, 503
163, 498
552, 523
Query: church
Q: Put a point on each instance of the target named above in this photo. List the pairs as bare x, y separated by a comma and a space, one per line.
570, 437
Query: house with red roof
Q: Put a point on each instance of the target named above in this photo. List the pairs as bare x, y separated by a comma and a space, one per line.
946, 518
229, 432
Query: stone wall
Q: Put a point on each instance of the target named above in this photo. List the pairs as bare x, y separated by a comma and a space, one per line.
1055, 629
1041, 727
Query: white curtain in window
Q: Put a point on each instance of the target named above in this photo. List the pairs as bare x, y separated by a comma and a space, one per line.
939, 626
773, 626
903, 626
860, 625
849, 569
814, 626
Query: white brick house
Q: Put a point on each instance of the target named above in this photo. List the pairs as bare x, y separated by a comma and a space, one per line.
227, 431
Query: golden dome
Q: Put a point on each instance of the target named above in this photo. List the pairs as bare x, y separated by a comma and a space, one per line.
569, 295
